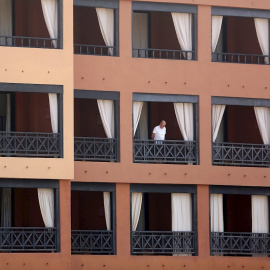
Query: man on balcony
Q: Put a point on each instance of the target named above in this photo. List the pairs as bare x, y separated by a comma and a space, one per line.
159, 132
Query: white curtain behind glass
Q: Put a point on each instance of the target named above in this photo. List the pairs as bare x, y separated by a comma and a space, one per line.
181, 214
217, 222
50, 13
260, 220
143, 123
137, 110
263, 119
217, 115
53, 111
140, 33
107, 209
262, 30
106, 24
5, 21
136, 205
216, 28
46, 204
183, 28
6, 208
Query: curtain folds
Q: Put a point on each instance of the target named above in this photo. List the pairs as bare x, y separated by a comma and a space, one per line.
216, 28
136, 205
262, 30
107, 209
260, 220
106, 24
6, 208
217, 114
54, 111
263, 119
143, 123
46, 204
217, 221
183, 28
137, 110
50, 13
5, 21
106, 110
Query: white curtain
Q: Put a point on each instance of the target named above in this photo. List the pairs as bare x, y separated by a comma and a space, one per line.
107, 209
53, 111
50, 13
262, 30
263, 120
260, 220
137, 110
217, 221
184, 116
217, 115
6, 208
140, 33
5, 21
143, 123
216, 28
106, 110
8, 114
183, 28
106, 24
136, 205
181, 214
46, 204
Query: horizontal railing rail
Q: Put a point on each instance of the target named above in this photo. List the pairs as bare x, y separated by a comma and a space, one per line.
167, 151
95, 50
29, 144
241, 58
163, 54
28, 239
92, 242
159, 242
95, 149
30, 42
240, 154
242, 243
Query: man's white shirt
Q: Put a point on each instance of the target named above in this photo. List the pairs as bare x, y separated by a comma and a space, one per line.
159, 133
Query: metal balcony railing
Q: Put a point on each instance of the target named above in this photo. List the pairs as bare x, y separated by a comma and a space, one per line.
163, 54
95, 50
232, 243
240, 154
152, 242
95, 149
150, 151
92, 242
241, 58
28, 239
29, 144
30, 42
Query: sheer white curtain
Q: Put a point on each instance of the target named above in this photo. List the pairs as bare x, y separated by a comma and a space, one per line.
181, 214
53, 111
136, 205
183, 28
217, 221
143, 123
217, 115
6, 208
140, 33
262, 29
5, 21
263, 120
260, 220
106, 110
216, 28
107, 209
106, 24
8, 114
46, 204
137, 110
50, 13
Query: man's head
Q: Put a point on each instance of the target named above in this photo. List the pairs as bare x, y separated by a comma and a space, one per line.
162, 123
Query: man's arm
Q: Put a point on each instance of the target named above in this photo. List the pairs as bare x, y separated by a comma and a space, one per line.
153, 135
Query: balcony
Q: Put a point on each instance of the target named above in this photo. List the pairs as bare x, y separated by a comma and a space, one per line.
24, 25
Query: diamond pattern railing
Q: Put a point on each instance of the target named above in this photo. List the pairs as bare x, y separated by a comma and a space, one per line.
241, 154
231, 243
150, 151
161, 242
29, 144
92, 242
95, 149
28, 239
